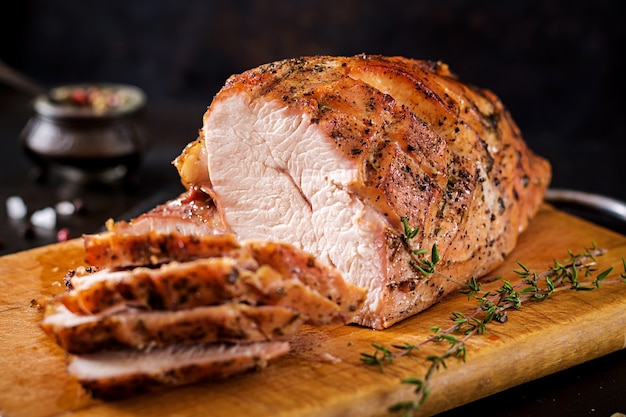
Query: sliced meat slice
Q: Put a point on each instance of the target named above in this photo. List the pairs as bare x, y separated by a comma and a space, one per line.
117, 248
177, 286
191, 213
314, 307
81, 334
117, 374
184, 228
171, 286
296, 264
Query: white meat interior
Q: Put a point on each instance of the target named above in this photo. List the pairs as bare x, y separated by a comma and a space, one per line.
277, 176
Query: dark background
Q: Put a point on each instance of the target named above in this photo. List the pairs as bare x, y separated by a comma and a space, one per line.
557, 65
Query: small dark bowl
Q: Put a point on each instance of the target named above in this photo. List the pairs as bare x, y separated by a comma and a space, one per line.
86, 132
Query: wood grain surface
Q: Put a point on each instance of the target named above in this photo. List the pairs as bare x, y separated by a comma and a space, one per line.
323, 375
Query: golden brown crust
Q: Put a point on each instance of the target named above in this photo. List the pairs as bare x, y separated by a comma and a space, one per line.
116, 249
444, 155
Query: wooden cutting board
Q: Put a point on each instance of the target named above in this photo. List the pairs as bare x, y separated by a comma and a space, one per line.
323, 375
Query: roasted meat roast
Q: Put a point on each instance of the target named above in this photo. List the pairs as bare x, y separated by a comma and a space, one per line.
317, 191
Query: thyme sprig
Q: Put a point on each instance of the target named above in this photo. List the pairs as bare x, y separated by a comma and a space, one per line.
424, 266
566, 274
409, 232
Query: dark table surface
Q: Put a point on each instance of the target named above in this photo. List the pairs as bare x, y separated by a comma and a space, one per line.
596, 388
